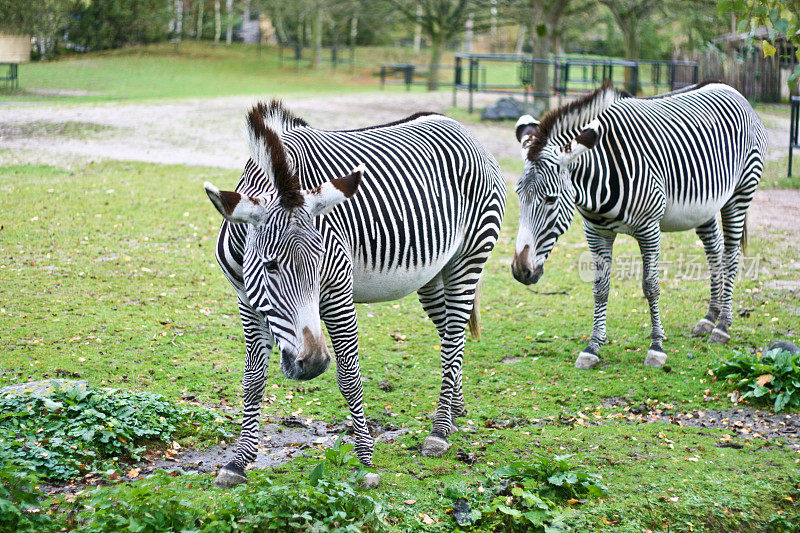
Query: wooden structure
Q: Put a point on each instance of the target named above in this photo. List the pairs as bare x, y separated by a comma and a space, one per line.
14, 49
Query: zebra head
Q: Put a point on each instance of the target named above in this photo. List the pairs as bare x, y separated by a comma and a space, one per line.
283, 249
546, 195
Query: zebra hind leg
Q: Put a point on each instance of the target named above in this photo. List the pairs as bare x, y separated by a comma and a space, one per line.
459, 296
431, 296
711, 237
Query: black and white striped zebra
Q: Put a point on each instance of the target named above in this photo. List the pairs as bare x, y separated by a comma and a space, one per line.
642, 166
298, 244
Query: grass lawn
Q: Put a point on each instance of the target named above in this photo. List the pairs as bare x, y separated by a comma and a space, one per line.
109, 271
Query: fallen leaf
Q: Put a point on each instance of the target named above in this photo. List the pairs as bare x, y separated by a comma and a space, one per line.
763, 379
427, 520
133, 473
81, 359
409, 502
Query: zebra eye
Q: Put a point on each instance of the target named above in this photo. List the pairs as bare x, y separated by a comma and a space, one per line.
271, 266
550, 199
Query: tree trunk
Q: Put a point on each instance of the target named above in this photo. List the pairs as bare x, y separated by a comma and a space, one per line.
541, 72
199, 32
353, 31
469, 35
317, 36
229, 12
520, 39
631, 53
217, 22
418, 31
437, 44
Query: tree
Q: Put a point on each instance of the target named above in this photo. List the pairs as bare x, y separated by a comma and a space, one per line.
782, 17
543, 19
443, 21
45, 20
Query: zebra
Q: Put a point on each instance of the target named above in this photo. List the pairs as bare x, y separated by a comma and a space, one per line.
321, 220
641, 166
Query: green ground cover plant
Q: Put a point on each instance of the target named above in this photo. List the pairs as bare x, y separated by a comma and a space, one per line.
772, 377
78, 431
109, 273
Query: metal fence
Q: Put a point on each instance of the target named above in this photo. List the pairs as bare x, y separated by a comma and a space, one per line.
515, 74
335, 55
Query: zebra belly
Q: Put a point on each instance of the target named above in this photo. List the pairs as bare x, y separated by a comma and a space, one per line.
394, 283
682, 217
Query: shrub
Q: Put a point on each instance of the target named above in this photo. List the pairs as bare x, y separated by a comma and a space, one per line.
773, 377
19, 499
75, 431
525, 496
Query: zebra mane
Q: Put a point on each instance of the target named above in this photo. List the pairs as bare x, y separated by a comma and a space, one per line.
266, 123
569, 118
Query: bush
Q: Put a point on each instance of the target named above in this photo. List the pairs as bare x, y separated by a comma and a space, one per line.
772, 377
76, 431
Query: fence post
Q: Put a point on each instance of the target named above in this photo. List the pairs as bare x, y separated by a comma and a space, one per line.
794, 105
409, 75
383, 77
472, 65
456, 78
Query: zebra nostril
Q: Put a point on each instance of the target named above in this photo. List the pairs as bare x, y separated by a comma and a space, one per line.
300, 364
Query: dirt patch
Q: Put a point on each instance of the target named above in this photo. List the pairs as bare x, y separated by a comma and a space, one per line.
70, 128
280, 442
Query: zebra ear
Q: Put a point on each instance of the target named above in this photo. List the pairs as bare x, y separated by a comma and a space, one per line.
586, 140
525, 130
233, 206
322, 199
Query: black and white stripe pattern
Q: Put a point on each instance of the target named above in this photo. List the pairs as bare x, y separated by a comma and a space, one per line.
425, 217
640, 167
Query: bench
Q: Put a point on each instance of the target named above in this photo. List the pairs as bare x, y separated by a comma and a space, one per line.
11, 78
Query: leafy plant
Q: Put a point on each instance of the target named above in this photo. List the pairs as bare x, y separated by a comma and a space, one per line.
525, 496
19, 499
75, 431
773, 376
340, 455
157, 505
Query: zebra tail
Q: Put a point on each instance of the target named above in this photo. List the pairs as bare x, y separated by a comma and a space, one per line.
475, 317
743, 241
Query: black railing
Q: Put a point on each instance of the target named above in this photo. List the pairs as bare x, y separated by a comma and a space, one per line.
566, 75
794, 122
335, 55
11, 78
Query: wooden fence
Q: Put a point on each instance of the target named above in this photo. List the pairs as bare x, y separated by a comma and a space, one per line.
756, 77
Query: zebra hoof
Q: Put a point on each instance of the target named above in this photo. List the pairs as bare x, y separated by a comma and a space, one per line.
370, 481
655, 358
229, 476
703, 327
586, 361
719, 336
434, 446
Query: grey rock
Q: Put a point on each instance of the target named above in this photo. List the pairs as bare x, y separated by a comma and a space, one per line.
655, 358
370, 480
42, 388
586, 361
227, 479
434, 447
783, 345
511, 109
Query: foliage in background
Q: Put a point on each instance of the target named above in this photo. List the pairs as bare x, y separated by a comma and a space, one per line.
76, 431
19, 498
775, 377
102, 24
42, 19
525, 496
781, 17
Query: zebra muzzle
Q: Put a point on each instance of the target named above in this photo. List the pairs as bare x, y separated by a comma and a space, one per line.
522, 270
309, 362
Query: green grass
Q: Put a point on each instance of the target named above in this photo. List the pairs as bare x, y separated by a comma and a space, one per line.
195, 70
109, 271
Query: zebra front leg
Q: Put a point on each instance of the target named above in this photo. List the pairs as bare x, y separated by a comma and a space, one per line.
650, 246
259, 345
339, 315
601, 244
711, 237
